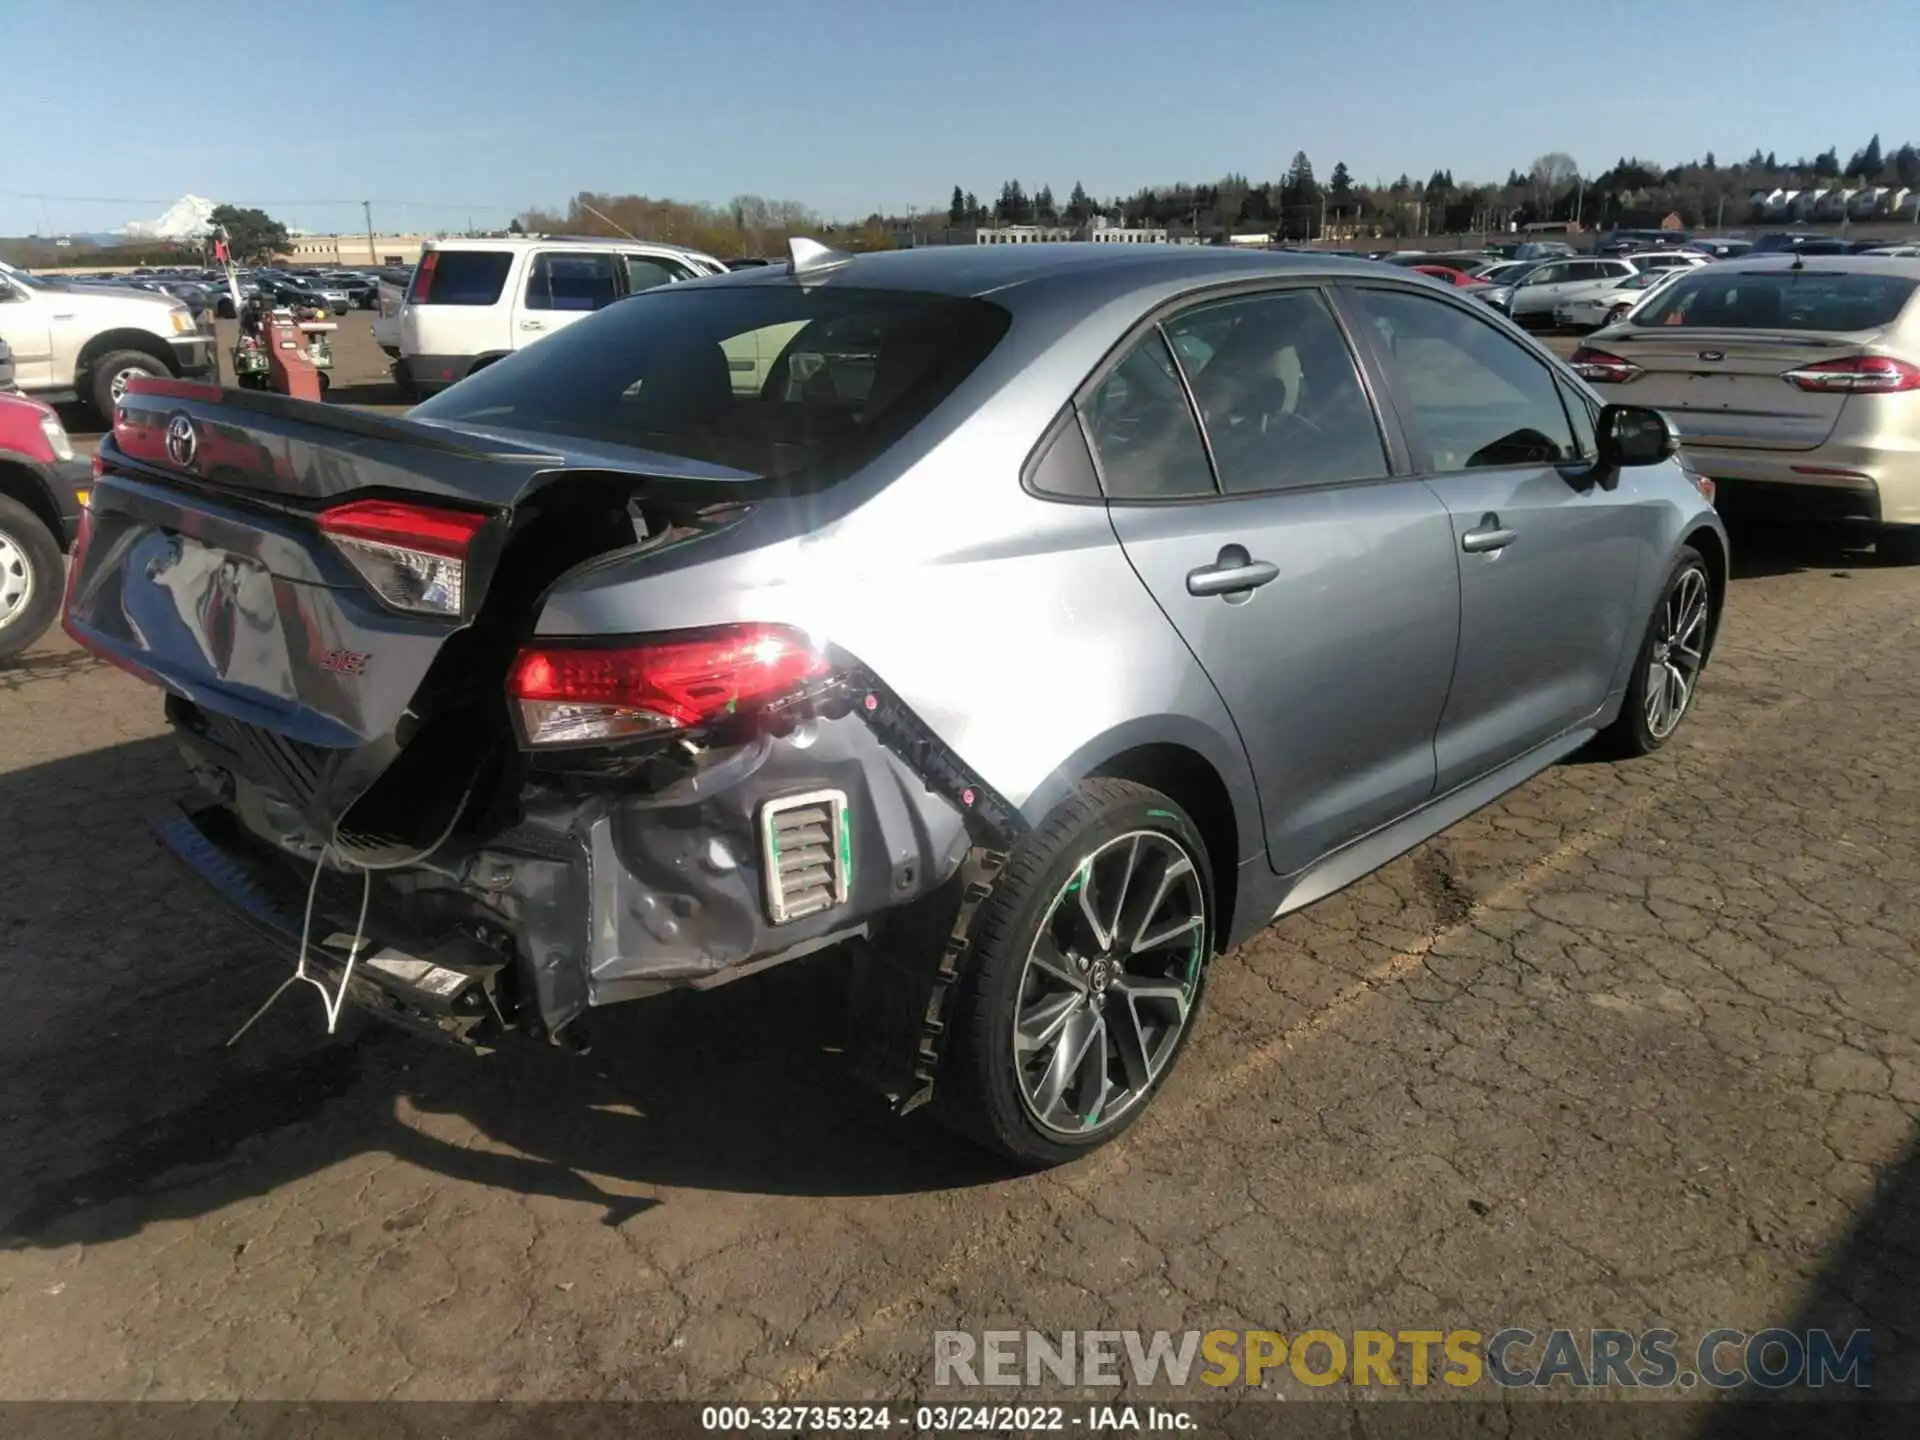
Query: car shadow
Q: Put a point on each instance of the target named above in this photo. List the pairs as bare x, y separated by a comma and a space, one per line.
126, 1106
383, 394
1870, 1280
1771, 547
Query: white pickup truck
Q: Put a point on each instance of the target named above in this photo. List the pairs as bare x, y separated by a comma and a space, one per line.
85, 342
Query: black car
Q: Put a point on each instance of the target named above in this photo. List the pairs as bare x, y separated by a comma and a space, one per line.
363, 291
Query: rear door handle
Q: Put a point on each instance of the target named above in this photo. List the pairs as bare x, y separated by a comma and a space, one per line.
1488, 536
532, 325
1233, 572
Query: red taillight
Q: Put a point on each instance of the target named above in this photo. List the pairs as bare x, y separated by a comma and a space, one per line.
413, 556
1604, 367
1858, 374
423, 277
587, 694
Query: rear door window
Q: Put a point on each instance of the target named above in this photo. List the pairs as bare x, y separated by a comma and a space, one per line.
1779, 300
460, 277
1278, 392
571, 280
646, 271
1141, 426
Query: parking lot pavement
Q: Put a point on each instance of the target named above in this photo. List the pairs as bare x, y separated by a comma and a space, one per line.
1638, 1045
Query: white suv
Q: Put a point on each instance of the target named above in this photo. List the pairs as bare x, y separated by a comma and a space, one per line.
472, 301
86, 341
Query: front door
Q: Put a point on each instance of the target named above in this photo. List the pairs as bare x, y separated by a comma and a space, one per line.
1315, 586
1548, 565
564, 285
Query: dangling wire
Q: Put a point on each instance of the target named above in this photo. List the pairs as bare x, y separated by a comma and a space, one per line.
334, 1003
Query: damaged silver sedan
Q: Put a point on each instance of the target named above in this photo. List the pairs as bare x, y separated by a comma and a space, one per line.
1029, 625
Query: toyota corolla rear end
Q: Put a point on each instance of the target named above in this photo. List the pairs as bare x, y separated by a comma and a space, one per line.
1794, 386
471, 823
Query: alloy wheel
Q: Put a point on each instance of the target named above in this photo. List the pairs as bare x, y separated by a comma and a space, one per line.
117, 387
1109, 983
16, 577
1679, 641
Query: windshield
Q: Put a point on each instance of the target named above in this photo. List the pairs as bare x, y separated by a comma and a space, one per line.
1779, 300
772, 379
20, 277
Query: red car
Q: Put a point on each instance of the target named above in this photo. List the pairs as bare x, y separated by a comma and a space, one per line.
41, 485
1448, 274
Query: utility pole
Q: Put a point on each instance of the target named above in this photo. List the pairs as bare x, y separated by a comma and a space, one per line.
1720, 215
366, 207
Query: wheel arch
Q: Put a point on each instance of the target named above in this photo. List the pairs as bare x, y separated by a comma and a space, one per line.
481, 362
20, 481
107, 341
1204, 773
1712, 546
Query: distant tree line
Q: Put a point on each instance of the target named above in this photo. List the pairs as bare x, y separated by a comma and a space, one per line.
1297, 206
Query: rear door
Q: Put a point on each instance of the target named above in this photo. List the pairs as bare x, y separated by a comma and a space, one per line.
1311, 576
1547, 568
564, 285
643, 271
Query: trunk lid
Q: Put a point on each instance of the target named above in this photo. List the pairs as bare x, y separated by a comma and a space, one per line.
203, 567
1723, 388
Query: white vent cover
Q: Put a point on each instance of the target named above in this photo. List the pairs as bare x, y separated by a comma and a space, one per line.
806, 852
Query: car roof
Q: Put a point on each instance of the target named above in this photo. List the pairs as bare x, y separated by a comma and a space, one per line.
1819, 264
521, 242
1101, 271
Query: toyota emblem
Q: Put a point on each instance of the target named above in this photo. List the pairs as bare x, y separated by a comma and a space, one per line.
183, 441
1713, 355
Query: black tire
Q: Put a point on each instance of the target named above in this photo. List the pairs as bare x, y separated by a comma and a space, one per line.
1898, 545
1633, 732
980, 1093
119, 362
31, 553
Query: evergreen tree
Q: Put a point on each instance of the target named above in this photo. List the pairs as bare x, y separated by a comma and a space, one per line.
1079, 207
957, 208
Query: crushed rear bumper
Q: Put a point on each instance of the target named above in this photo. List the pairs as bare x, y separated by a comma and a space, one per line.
593, 893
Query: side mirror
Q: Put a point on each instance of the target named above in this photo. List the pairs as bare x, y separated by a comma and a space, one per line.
1635, 435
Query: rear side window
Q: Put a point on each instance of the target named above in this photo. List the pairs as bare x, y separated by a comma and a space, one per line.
571, 281
1779, 300
1479, 398
460, 277
776, 380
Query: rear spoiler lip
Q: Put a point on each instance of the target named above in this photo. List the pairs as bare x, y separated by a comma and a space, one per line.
543, 465
394, 429
1695, 335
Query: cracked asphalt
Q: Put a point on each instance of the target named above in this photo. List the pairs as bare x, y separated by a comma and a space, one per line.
1637, 1046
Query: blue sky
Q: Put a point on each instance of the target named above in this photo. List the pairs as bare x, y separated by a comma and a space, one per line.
441, 111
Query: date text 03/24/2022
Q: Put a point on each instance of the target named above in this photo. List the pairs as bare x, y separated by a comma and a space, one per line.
943, 1419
